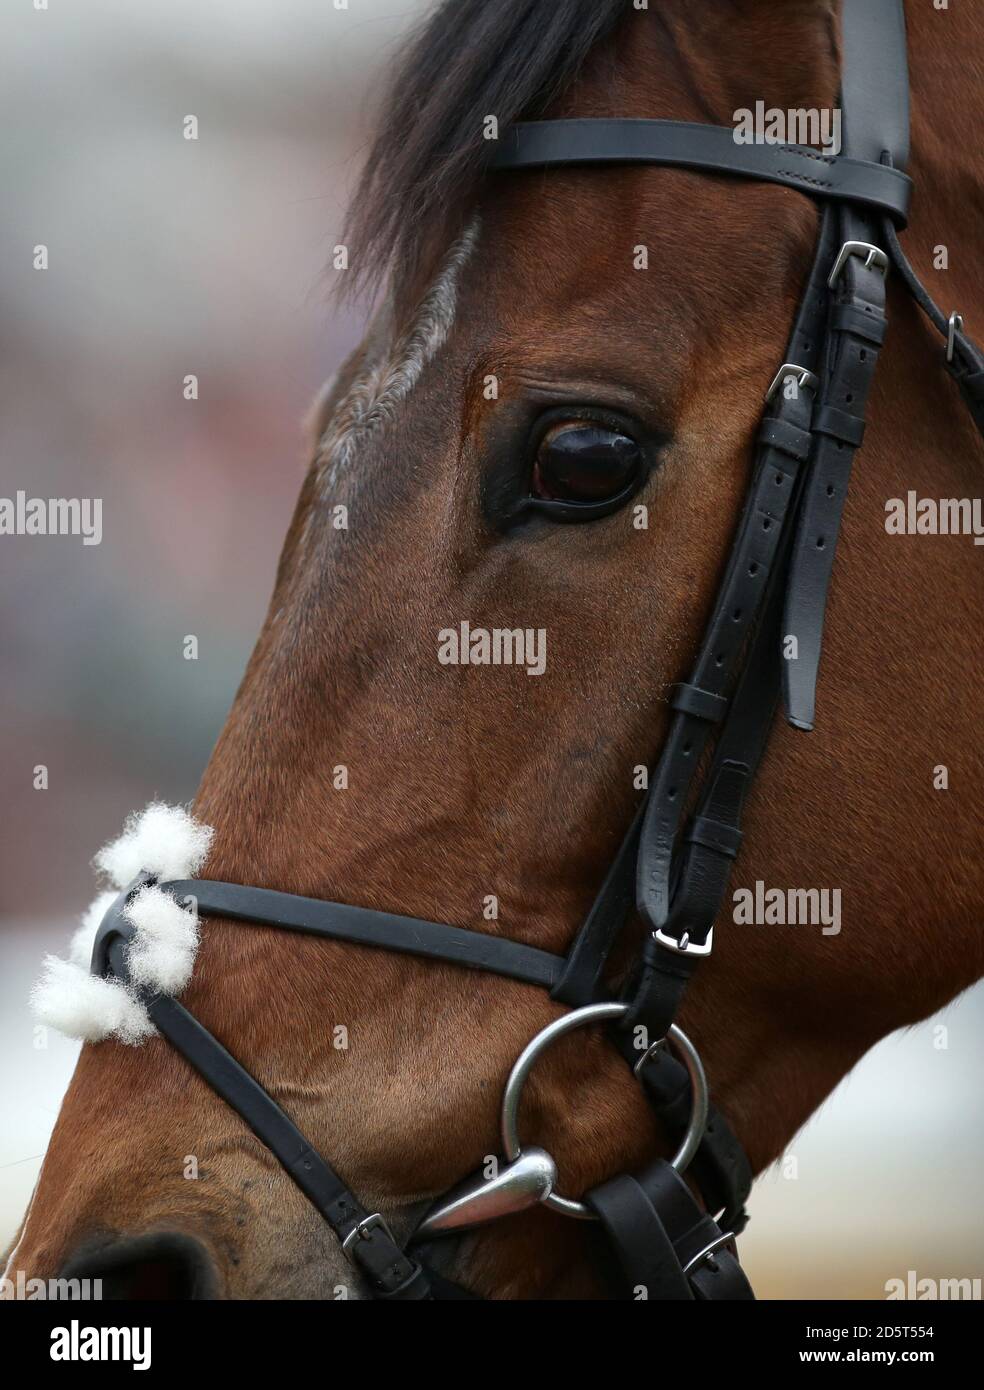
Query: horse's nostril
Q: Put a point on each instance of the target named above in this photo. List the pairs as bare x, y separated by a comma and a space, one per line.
161, 1265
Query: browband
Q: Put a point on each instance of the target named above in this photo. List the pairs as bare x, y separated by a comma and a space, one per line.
690, 145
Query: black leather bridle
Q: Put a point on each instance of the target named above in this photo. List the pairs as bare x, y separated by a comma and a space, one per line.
674, 863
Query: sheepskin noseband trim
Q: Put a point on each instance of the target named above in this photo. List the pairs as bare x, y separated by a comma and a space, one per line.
167, 843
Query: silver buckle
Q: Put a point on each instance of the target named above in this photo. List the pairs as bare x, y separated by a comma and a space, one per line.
683, 946
873, 256
954, 325
803, 378
374, 1222
718, 1244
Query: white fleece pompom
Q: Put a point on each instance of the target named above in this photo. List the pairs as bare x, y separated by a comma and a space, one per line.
168, 843
164, 840
87, 1006
163, 948
80, 951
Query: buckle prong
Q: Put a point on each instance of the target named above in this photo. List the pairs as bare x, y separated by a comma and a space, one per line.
727, 1238
683, 946
802, 375
953, 327
873, 256
373, 1222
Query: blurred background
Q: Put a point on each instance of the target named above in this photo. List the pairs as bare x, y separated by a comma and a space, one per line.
170, 257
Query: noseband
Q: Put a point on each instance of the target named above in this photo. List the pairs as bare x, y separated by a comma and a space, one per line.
672, 867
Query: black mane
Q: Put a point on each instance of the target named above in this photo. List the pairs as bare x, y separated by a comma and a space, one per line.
469, 59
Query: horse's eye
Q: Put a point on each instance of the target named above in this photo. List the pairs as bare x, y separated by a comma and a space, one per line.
579, 461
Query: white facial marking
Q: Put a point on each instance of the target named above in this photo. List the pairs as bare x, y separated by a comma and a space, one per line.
391, 375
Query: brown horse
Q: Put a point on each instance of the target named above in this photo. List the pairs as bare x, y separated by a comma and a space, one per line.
512, 300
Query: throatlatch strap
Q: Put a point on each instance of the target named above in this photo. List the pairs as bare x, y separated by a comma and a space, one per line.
963, 359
